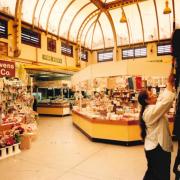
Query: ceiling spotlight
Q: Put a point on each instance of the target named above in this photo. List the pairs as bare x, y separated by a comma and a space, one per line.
167, 9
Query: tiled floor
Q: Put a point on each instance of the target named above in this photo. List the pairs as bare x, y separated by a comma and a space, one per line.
62, 152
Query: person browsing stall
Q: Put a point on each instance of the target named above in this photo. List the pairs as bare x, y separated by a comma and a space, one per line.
155, 131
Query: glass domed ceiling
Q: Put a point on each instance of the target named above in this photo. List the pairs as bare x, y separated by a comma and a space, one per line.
96, 23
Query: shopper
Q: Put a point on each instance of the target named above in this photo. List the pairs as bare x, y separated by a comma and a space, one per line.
176, 64
35, 104
155, 131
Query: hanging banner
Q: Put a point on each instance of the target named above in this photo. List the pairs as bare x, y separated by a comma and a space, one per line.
7, 69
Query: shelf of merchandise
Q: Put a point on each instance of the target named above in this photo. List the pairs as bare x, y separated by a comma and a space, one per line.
125, 132
53, 109
8, 151
15, 110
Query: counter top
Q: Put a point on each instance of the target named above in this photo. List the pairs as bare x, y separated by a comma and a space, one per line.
113, 122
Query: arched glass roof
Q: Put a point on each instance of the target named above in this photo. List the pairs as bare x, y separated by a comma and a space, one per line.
88, 22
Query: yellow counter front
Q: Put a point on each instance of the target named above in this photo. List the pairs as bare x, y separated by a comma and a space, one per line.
53, 109
114, 131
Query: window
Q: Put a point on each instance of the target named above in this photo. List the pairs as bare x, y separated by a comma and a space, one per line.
163, 49
137, 52
127, 53
84, 55
51, 45
140, 52
67, 49
3, 28
30, 37
105, 56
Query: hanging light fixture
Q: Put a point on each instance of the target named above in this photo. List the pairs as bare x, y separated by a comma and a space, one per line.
167, 9
123, 17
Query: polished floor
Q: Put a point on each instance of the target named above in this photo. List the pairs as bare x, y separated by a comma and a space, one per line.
62, 152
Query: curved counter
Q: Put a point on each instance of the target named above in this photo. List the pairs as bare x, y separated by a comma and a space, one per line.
125, 132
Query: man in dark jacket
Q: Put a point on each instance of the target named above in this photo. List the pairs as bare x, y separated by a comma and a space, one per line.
176, 131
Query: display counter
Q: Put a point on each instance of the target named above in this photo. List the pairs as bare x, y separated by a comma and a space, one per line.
53, 109
125, 132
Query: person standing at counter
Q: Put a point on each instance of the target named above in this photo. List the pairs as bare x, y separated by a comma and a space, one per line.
35, 104
155, 131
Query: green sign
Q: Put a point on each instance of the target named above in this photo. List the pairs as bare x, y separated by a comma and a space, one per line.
159, 60
51, 59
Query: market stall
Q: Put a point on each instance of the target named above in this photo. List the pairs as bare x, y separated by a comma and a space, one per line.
124, 131
54, 108
114, 115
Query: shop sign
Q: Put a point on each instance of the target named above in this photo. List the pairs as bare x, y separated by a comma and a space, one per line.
7, 69
159, 60
51, 59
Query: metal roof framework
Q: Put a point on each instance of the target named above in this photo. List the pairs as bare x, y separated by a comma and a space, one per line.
95, 24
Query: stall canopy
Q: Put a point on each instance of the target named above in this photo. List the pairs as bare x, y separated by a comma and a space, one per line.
96, 23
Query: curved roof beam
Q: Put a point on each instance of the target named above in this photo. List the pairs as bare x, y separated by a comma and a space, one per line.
18, 8
88, 31
119, 3
88, 17
127, 25
141, 21
85, 24
157, 19
174, 16
34, 11
70, 26
97, 20
100, 5
47, 22
62, 16
102, 33
95, 28
40, 13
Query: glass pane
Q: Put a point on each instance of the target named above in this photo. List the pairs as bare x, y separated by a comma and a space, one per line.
79, 20
69, 16
45, 12
89, 27
149, 20
56, 14
98, 36
8, 6
177, 13
134, 23
107, 30
121, 28
165, 20
38, 10
27, 10
87, 42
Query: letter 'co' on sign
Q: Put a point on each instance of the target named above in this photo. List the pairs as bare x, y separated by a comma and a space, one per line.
7, 69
